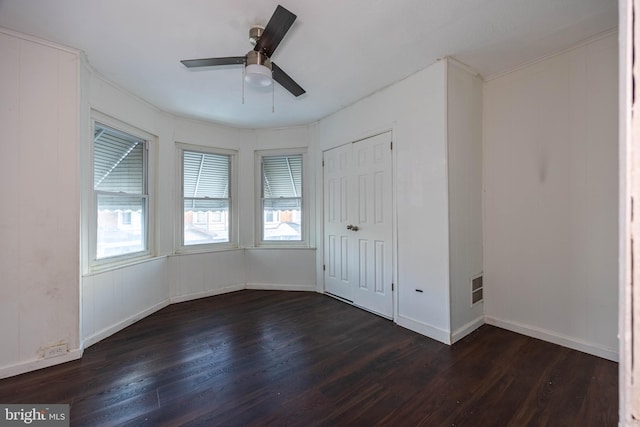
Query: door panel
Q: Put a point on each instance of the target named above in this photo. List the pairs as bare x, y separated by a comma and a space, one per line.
373, 172
337, 278
365, 203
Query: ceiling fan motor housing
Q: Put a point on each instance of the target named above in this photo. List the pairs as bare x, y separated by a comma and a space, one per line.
255, 33
258, 58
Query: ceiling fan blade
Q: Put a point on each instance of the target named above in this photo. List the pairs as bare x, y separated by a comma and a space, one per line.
287, 82
210, 62
276, 28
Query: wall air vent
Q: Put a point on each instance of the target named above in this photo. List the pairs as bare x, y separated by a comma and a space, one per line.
477, 293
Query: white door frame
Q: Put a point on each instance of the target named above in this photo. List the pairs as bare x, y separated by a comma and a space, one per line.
394, 211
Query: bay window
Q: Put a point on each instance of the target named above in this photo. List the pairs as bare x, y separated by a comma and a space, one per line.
120, 195
207, 204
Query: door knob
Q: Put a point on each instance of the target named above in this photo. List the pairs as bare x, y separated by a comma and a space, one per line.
352, 227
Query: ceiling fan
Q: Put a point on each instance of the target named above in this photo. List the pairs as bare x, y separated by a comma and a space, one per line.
259, 70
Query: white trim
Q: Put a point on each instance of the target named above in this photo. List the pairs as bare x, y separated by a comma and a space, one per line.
234, 216
35, 364
455, 61
207, 251
361, 136
207, 293
465, 330
124, 264
304, 243
120, 90
430, 331
527, 64
394, 223
241, 287
391, 129
281, 248
120, 125
447, 207
627, 404
279, 287
117, 327
555, 338
38, 40
89, 263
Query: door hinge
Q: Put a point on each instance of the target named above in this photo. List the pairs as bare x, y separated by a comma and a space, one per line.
324, 267
392, 287
391, 147
323, 163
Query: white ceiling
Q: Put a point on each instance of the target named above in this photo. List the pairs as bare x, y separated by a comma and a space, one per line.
338, 50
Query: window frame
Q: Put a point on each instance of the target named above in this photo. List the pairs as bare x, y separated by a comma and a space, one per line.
180, 247
259, 210
94, 264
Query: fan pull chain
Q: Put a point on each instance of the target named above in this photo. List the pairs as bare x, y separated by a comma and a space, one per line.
243, 74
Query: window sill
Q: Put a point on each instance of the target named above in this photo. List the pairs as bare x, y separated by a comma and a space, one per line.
99, 269
204, 250
289, 247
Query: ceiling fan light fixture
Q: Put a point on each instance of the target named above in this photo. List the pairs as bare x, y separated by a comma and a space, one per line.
258, 75
257, 72
258, 69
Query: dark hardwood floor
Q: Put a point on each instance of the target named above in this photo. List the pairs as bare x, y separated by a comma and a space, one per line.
302, 359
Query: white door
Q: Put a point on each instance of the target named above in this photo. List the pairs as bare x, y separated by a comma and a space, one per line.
358, 223
338, 255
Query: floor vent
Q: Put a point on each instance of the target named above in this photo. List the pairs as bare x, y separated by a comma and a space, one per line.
477, 294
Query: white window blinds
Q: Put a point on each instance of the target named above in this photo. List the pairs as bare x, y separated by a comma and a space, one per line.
118, 165
206, 198
120, 188
205, 181
282, 198
282, 182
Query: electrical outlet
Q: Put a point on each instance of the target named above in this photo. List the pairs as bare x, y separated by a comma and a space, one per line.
55, 351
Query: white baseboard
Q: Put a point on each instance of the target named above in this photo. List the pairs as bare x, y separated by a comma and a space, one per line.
555, 338
99, 336
35, 364
106, 332
278, 287
424, 329
465, 330
208, 293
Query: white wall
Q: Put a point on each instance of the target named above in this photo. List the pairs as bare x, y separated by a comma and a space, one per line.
436, 120
115, 298
206, 274
283, 269
464, 159
415, 110
550, 173
39, 189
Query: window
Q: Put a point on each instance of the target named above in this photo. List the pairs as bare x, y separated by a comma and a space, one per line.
281, 216
206, 197
126, 218
121, 197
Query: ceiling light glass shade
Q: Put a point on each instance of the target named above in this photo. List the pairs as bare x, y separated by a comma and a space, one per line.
258, 75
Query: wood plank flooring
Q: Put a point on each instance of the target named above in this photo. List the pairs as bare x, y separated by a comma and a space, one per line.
254, 358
